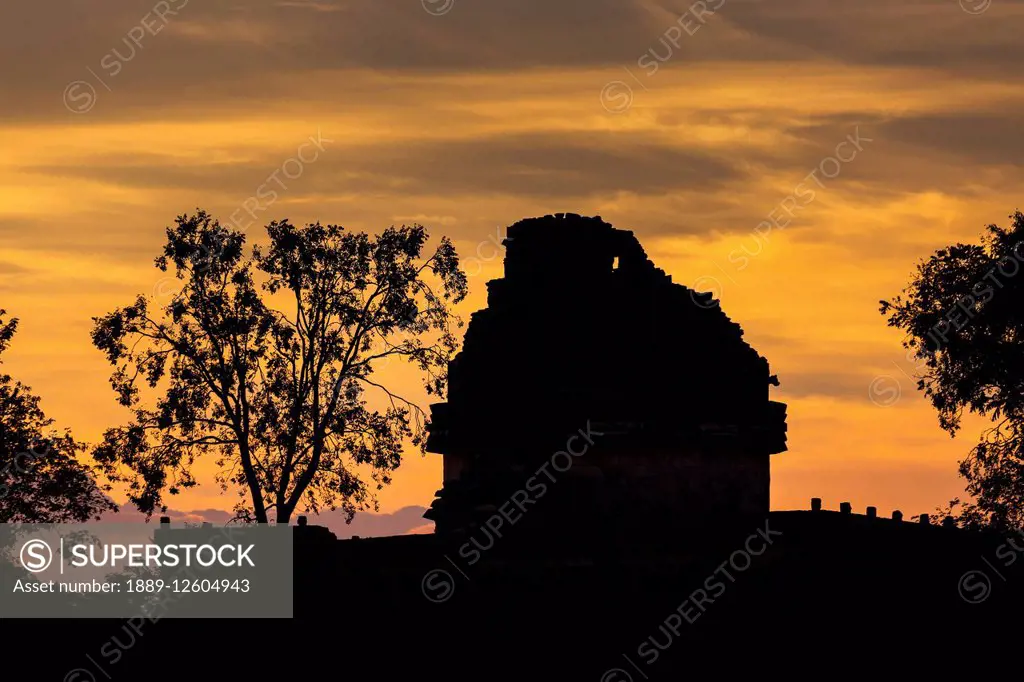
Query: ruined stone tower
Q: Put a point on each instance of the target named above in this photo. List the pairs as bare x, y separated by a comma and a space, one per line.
584, 332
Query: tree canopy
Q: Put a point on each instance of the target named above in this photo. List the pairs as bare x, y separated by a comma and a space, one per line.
41, 479
963, 312
264, 360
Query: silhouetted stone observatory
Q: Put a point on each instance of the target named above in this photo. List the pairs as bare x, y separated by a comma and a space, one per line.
584, 329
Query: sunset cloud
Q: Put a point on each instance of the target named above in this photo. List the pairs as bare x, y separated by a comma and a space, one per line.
493, 111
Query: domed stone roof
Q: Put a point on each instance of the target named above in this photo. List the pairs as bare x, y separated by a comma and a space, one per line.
584, 329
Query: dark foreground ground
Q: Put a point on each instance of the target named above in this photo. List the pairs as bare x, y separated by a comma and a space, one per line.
798, 595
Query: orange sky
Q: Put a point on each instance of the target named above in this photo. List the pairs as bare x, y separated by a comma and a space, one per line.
468, 115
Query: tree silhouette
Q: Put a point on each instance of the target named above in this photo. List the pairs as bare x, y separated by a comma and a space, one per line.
963, 313
41, 481
264, 358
